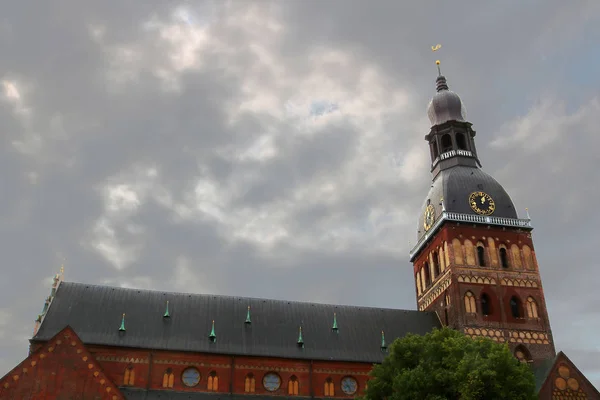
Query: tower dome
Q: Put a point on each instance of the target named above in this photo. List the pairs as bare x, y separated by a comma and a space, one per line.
445, 105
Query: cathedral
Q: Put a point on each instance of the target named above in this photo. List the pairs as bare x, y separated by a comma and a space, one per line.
474, 267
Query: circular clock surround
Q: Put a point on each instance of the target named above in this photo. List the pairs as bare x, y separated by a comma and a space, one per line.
271, 381
428, 217
349, 385
190, 377
482, 203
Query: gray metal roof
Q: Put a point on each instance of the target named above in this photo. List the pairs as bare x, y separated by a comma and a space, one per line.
456, 184
94, 313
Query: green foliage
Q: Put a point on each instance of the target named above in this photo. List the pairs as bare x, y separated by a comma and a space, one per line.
445, 364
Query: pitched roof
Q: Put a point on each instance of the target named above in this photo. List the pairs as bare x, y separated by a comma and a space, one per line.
95, 313
542, 372
30, 379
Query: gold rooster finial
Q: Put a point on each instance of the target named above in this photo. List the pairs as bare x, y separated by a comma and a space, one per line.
436, 47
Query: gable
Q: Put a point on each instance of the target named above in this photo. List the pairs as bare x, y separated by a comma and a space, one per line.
60, 369
564, 381
273, 331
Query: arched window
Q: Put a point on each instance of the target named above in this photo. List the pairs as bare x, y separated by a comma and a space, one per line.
486, 305
515, 307
522, 354
503, 257
436, 264
461, 141
213, 382
481, 256
446, 143
470, 303
427, 275
532, 310
129, 378
168, 378
329, 388
249, 384
293, 386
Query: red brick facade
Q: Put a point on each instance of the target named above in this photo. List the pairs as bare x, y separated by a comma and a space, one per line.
456, 270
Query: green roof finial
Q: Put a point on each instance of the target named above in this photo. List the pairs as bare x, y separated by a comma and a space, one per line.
335, 326
300, 340
383, 346
248, 320
212, 335
122, 327
167, 315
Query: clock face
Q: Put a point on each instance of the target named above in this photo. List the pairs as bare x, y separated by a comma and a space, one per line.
349, 385
271, 382
190, 377
429, 217
482, 203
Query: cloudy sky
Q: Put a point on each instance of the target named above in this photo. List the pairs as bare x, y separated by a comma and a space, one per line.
275, 149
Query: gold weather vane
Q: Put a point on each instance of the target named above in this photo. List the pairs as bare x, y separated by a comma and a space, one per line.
437, 62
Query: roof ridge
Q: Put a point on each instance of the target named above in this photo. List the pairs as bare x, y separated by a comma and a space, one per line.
224, 296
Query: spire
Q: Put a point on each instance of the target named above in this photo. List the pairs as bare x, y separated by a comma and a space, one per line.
300, 340
122, 327
335, 325
248, 320
166, 314
440, 83
383, 345
212, 336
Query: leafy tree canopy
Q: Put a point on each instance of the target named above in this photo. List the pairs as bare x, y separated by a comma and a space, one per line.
446, 364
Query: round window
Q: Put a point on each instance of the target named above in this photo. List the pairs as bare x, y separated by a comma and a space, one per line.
271, 381
190, 377
349, 385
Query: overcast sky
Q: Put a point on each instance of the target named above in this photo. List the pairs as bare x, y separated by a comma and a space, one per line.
275, 149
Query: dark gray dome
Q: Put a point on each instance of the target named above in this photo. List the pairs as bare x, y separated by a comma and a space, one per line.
445, 105
456, 184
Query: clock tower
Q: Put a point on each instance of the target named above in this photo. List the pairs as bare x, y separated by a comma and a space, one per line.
474, 261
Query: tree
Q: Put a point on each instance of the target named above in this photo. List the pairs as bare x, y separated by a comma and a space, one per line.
446, 364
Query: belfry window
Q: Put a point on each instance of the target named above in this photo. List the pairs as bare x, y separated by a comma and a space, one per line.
470, 307
503, 257
532, 310
481, 256
486, 306
434, 148
436, 264
515, 307
427, 275
461, 141
446, 143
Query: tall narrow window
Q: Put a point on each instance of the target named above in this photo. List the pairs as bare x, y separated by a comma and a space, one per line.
129, 377
470, 303
515, 307
446, 143
249, 384
293, 386
503, 257
329, 388
460, 141
481, 256
427, 274
486, 306
532, 310
434, 148
436, 264
168, 378
213, 382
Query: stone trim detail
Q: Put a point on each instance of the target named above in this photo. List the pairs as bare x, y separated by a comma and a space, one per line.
191, 363
271, 368
339, 372
483, 280
433, 294
512, 336
127, 360
519, 282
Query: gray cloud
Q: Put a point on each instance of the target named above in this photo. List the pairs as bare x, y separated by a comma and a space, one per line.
177, 147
